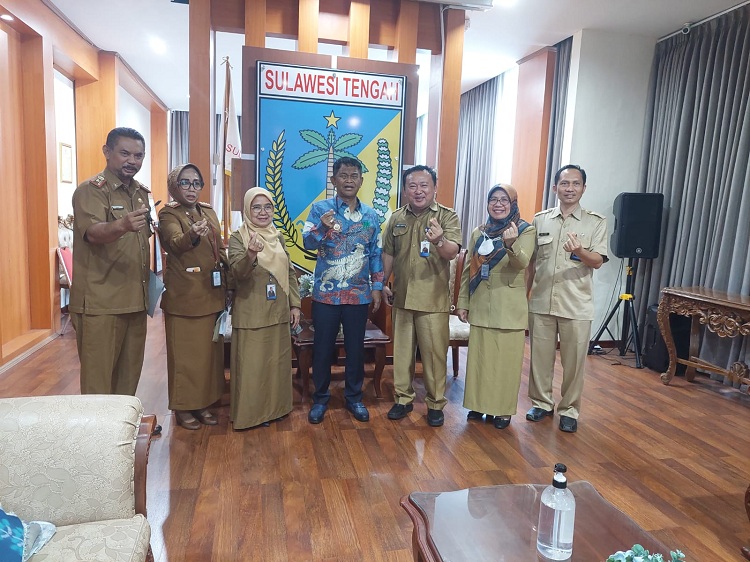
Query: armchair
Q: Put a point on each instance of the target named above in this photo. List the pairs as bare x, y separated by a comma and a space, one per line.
78, 462
459, 332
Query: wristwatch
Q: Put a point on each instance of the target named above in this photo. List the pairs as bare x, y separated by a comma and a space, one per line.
442, 241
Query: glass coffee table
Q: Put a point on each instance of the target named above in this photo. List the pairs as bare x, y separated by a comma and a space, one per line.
498, 523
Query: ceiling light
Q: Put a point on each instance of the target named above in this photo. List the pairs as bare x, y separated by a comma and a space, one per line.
7, 17
157, 45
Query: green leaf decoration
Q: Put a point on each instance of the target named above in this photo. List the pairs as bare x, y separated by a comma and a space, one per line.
347, 141
310, 159
274, 184
314, 138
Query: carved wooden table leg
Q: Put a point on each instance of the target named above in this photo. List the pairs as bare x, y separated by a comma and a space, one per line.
379, 366
662, 318
695, 340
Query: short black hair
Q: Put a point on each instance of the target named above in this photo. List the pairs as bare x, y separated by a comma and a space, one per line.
347, 161
571, 167
118, 132
419, 168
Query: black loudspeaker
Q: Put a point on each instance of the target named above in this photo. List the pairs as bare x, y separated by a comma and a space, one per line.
655, 355
637, 225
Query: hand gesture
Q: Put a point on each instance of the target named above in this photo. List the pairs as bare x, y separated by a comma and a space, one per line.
199, 228
294, 316
377, 297
463, 315
327, 219
136, 220
434, 231
388, 294
573, 244
510, 235
254, 245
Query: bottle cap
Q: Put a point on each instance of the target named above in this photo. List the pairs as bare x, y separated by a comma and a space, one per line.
559, 480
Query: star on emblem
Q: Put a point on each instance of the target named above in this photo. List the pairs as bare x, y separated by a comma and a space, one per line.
332, 120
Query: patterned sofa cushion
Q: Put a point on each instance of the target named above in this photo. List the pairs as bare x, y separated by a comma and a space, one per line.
68, 459
117, 540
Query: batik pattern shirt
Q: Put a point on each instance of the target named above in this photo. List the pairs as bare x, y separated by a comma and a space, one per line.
349, 265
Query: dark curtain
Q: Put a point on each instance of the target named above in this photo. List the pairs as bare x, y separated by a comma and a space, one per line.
557, 118
696, 153
179, 135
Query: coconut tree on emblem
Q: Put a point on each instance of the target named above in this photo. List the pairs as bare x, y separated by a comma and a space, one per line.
327, 149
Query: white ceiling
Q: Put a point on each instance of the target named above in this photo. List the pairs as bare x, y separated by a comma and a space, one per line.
494, 40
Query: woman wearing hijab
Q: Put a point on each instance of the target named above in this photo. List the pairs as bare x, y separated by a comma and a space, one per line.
189, 232
493, 300
266, 301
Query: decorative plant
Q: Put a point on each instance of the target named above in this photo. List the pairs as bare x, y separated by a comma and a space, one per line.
640, 554
305, 285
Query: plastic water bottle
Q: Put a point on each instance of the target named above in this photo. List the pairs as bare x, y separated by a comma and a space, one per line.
557, 513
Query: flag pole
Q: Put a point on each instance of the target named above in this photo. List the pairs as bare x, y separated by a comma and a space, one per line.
226, 187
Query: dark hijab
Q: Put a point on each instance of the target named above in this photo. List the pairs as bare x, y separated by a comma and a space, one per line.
493, 230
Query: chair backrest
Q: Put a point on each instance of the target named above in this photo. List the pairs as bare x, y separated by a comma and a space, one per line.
454, 283
65, 256
69, 459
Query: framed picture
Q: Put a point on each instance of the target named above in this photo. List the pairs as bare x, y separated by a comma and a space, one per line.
66, 163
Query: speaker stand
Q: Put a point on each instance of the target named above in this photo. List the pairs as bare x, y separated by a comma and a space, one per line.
629, 321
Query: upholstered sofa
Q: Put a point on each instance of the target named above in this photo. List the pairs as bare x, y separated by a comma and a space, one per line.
78, 462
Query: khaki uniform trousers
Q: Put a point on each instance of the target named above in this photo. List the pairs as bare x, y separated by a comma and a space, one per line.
574, 346
429, 331
111, 349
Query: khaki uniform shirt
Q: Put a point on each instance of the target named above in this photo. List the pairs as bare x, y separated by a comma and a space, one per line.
500, 301
420, 284
187, 275
251, 308
562, 286
109, 278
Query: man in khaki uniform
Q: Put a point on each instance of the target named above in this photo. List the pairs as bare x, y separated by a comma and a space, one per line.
109, 292
571, 243
419, 241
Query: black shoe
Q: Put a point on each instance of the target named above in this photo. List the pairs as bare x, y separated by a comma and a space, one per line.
538, 414
501, 422
435, 418
359, 411
317, 413
568, 424
399, 411
157, 431
474, 415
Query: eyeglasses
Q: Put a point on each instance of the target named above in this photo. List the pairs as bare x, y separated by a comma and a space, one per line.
504, 201
258, 208
185, 185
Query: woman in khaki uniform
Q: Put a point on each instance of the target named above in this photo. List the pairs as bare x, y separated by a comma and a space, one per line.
195, 294
493, 300
266, 301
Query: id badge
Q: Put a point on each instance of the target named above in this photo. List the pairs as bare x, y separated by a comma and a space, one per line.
271, 292
215, 277
485, 271
424, 248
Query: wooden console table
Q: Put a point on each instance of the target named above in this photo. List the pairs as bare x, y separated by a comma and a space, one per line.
725, 314
302, 344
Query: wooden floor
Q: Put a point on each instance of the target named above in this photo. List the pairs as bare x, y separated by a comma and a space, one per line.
675, 458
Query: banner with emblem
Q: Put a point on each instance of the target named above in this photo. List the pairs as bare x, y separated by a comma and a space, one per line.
309, 117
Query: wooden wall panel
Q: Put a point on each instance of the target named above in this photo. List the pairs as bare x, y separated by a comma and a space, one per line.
96, 116
282, 20
450, 105
14, 279
40, 180
307, 33
359, 29
159, 155
535, 80
202, 91
406, 40
255, 23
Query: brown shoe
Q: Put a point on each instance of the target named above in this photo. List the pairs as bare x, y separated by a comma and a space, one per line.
206, 417
186, 420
